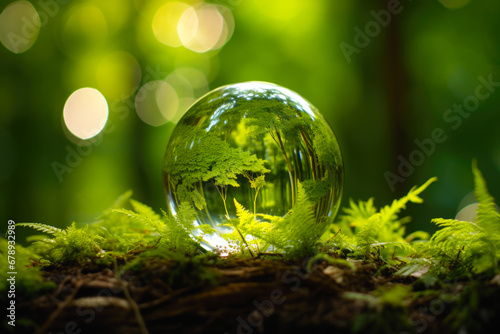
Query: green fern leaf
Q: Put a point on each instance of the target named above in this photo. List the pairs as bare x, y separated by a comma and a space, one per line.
42, 227
156, 224
144, 210
488, 216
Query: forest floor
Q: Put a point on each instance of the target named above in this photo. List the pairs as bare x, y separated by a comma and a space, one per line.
253, 296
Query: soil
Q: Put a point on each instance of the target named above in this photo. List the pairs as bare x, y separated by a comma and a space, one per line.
247, 296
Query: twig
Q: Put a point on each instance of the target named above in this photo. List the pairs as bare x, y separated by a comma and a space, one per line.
329, 240
163, 299
61, 285
53, 316
242, 238
133, 304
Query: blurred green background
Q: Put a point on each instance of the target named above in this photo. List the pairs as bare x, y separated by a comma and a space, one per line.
384, 73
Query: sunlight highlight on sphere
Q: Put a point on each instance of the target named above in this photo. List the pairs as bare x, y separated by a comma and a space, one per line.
85, 113
118, 75
200, 29
19, 26
165, 23
156, 102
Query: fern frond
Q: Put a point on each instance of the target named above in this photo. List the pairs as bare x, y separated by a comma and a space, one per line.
389, 211
243, 214
368, 232
42, 227
252, 232
156, 224
470, 242
371, 229
300, 226
488, 216
144, 210
356, 215
414, 265
186, 216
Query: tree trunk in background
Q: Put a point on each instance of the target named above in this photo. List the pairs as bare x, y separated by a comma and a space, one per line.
399, 110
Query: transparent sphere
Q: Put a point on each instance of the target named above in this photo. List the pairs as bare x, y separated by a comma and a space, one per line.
257, 144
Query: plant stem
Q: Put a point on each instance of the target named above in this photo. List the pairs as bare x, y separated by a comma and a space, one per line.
255, 202
223, 196
244, 241
133, 304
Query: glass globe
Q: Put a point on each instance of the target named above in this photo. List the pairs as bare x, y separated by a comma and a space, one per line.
257, 144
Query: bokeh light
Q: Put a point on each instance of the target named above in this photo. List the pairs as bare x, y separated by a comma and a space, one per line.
190, 84
19, 26
469, 213
118, 75
167, 100
165, 23
161, 101
203, 29
85, 113
156, 102
196, 79
228, 27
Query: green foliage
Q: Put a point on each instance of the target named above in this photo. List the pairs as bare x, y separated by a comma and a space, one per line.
463, 245
245, 230
298, 232
210, 159
294, 235
365, 231
29, 280
42, 227
70, 245
175, 233
118, 232
122, 234
145, 239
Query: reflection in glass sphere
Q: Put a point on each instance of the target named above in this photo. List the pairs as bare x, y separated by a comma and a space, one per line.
256, 144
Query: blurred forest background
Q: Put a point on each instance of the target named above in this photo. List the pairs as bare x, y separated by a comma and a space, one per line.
387, 75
